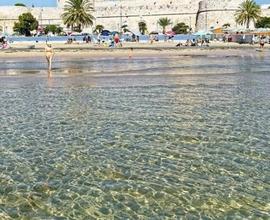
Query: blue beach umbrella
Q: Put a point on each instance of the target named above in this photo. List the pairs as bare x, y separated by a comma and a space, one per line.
105, 33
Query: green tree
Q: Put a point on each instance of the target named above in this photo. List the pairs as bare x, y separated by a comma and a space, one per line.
164, 22
53, 29
98, 29
142, 27
181, 28
78, 14
20, 4
27, 23
263, 22
248, 11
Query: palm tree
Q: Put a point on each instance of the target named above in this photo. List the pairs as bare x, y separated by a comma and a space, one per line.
77, 14
142, 27
248, 11
99, 28
164, 22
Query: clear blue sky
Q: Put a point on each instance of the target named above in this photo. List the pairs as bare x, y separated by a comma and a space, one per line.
53, 2
30, 2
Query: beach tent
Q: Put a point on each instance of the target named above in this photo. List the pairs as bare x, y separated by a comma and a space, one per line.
183, 38
220, 30
143, 38
136, 33
203, 33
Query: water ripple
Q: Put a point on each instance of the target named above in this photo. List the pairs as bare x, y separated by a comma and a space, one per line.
137, 147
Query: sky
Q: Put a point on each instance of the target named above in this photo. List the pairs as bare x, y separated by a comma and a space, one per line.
44, 3
37, 3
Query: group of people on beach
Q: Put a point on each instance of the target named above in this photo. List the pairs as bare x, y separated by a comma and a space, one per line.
71, 40
114, 41
3, 43
87, 39
195, 42
243, 38
262, 40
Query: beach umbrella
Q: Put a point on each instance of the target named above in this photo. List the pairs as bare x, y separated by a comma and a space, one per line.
115, 32
137, 33
74, 34
105, 33
153, 33
170, 33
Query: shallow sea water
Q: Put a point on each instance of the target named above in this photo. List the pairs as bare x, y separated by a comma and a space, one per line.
147, 138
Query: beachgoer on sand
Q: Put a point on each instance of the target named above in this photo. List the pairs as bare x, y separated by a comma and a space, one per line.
130, 53
253, 39
116, 40
3, 43
49, 53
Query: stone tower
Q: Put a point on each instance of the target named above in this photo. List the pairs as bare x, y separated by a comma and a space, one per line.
213, 14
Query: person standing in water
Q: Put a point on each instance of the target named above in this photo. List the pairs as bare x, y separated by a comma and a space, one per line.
261, 42
49, 53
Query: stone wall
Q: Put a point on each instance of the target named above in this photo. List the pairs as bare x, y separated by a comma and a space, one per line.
266, 12
211, 13
114, 13
9, 15
199, 15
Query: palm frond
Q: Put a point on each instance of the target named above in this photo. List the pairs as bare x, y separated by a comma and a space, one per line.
78, 13
247, 11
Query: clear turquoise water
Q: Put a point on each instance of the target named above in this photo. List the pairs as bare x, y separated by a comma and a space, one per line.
147, 138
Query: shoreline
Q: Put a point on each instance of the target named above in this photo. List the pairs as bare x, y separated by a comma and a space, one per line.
136, 52
167, 49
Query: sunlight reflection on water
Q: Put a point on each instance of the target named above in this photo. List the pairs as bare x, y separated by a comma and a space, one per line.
136, 139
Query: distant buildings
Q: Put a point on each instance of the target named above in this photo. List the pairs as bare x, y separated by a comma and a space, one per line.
112, 14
